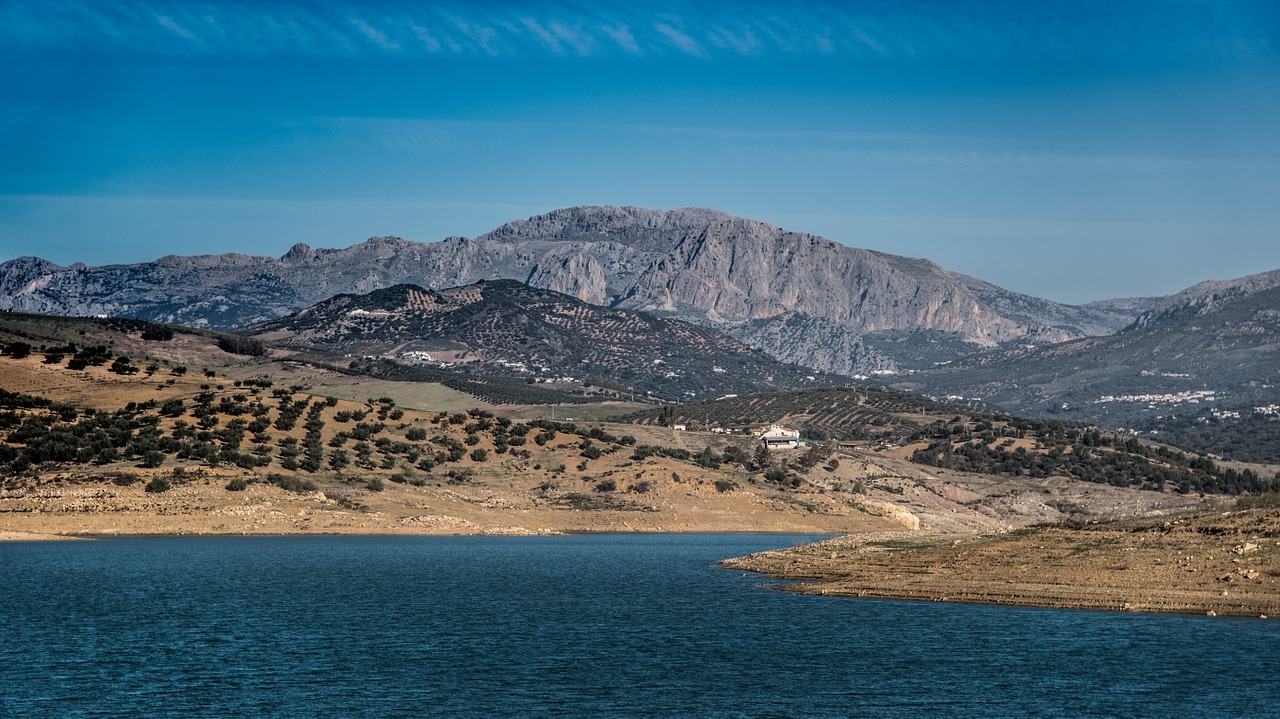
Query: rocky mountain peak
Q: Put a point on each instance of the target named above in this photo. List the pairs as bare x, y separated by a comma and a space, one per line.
300, 252
1207, 297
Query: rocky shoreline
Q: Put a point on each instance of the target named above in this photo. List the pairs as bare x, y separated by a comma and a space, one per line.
1220, 564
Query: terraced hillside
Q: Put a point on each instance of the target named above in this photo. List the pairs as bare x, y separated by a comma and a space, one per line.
508, 328
950, 437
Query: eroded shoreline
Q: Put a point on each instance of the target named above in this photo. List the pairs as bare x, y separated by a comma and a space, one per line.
1224, 564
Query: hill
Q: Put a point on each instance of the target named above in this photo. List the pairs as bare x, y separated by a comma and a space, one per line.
93, 440
1210, 354
507, 328
950, 437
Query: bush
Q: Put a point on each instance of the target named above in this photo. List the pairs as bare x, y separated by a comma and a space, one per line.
339, 459
375, 484
157, 333
726, 485
291, 483
242, 346
607, 485
17, 350
479, 455
776, 475
157, 485
152, 459
237, 484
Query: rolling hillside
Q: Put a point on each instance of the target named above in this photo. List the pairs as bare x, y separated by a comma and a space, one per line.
509, 329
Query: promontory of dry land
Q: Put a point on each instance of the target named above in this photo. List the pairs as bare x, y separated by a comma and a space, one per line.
1225, 563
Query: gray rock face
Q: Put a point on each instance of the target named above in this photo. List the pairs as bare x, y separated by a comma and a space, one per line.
811, 342
695, 264
1056, 322
1207, 298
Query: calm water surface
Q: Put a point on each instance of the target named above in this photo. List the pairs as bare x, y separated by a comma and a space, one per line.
579, 626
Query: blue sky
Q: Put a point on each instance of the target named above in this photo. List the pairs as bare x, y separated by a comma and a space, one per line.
1072, 150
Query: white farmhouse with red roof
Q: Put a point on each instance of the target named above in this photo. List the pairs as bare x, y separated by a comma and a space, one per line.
775, 436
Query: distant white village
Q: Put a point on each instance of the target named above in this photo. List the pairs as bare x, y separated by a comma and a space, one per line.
1153, 400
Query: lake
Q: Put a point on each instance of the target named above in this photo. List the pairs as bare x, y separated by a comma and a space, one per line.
573, 626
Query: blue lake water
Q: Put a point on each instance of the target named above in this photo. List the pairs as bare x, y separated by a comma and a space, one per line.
577, 626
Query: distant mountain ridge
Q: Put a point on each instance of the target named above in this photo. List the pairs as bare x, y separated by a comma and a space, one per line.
1210, 350
751, 279
505, 327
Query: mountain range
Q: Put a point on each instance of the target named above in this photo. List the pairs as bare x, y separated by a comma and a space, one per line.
622, 272
1212, 349
799, 297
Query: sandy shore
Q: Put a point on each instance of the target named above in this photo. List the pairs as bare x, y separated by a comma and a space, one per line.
1221, 564
205, 507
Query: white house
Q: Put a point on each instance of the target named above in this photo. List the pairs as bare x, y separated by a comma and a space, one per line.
775, 436
679, 427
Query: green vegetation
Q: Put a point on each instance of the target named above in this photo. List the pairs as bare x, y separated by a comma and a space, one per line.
247, 346
1080, 452
834, 413
1251, 437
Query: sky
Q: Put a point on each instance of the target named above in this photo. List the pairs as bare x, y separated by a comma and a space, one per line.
1071, 150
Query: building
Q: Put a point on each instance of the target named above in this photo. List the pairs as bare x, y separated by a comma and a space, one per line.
775, 436
679, 427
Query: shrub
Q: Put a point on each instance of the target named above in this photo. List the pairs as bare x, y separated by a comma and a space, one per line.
607, 485
339, 458
479, 455
157, 333
291, 483
152, 459
775, 474
237, 484
726, 485
17, 350
157, 485
242, 346
375, 484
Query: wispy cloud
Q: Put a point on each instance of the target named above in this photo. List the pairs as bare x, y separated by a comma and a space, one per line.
921, 149
676, 27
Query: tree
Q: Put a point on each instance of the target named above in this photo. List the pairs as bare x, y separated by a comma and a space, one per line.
338, 459
17, 350
761, 458
247, 346
123, 366
479, 455
151, 459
